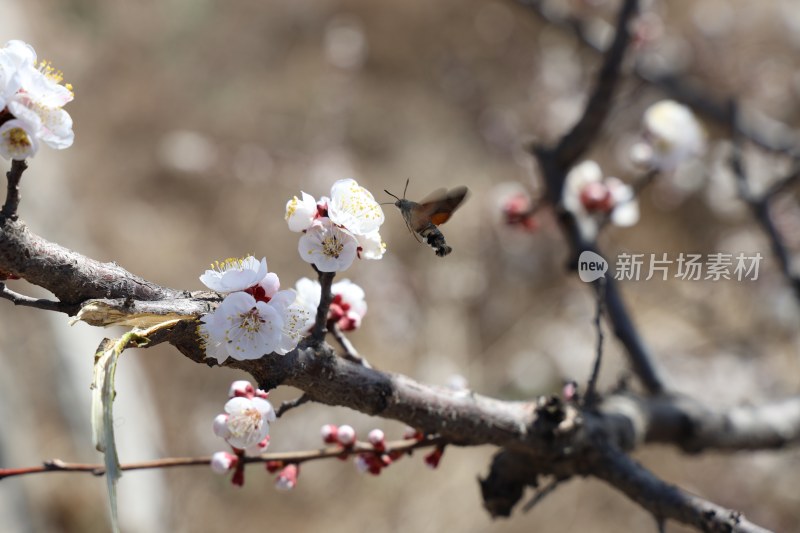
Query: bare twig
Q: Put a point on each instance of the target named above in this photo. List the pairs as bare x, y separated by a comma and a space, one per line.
57, 465
325, 299
291, 404
588, 127
677, 88
350, 353
541, 494
761, 205
27, 301
13, 196
591, 388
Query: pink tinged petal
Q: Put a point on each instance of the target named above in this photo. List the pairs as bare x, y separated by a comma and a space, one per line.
241, 387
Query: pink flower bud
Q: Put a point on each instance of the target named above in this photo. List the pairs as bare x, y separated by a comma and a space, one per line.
329, 433
274, 466
377, 439
222, 462
287, 479
411, 433
262, 394
346, 436
433, 458
596, 197
241, 388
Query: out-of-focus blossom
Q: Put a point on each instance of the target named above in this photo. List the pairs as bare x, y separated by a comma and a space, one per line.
287, 479
673, 133
17, 140
222, 462
590, 197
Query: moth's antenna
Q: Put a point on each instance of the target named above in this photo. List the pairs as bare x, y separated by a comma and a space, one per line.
392, 195
404, 190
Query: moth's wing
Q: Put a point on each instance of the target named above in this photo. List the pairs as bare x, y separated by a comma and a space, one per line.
435, 196
438, 210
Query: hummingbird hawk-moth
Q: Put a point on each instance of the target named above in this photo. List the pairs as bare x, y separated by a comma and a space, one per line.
423, 218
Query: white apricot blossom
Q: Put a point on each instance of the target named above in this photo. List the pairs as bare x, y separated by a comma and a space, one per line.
18, 140
673, 135
353, 207
245, 423
237, 274
328, 247
32, 92
300, 213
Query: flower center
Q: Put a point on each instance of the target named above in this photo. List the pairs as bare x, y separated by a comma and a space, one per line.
17, 139
332, 246
231, 263
250, 321
245, 423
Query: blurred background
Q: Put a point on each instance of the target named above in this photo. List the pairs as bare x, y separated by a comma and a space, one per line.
196, 120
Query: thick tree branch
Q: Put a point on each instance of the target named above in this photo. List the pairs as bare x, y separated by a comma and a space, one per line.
663, 500
72, 277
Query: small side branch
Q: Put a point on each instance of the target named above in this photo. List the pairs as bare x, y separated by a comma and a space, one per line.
760, 206
577, 141
57, 465
291, 404
349, 351
13, 196
591, 388
38, 303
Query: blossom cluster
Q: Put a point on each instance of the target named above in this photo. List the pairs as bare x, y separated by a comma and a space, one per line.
31, 103
256, 317
591, 197
339, 228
